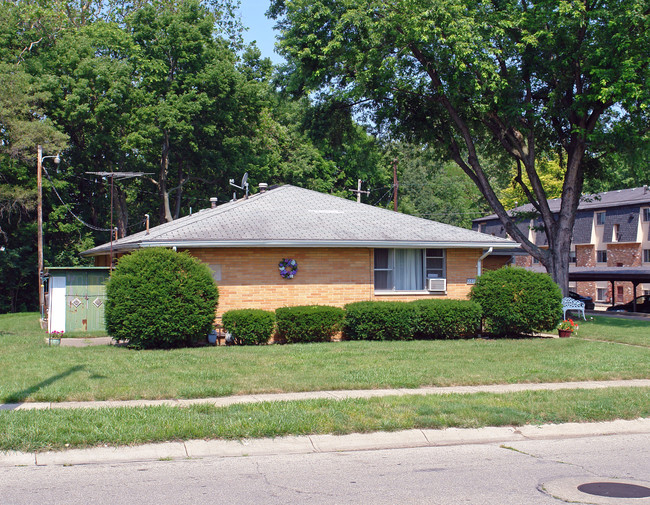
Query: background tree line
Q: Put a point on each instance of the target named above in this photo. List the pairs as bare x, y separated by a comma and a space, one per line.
168, 88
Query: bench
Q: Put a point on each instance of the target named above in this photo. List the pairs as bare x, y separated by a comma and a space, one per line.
569, 303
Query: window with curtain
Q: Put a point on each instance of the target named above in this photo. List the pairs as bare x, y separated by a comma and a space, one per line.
407, 269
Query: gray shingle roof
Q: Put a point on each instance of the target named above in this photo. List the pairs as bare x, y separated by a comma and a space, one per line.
633, 196
292, 216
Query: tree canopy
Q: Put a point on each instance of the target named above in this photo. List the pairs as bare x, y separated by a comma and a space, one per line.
512, 80
164, 87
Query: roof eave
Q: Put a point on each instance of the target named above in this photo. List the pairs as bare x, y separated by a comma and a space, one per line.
412, 244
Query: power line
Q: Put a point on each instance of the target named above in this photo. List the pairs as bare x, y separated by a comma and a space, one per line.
92, 227
67, 206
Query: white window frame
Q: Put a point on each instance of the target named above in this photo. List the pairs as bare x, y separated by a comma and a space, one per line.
645, 214
425, 271
597, 218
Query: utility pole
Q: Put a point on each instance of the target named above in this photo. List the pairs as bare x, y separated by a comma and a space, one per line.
358, 191
395, 185
39, 185
39, 214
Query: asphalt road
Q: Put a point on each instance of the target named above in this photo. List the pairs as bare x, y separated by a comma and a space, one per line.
512, 473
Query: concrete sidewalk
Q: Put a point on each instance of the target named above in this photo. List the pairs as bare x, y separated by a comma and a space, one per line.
225, 401
327, 443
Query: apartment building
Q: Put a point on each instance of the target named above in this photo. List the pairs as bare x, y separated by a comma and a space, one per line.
610, 250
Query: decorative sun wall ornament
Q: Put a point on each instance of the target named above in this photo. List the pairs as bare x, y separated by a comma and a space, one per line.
288, 268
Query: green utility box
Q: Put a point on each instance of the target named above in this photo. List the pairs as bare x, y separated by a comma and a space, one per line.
76, 298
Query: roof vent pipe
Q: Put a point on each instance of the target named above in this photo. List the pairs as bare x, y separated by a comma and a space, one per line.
263, 187
213, 202
479, 263
146, 217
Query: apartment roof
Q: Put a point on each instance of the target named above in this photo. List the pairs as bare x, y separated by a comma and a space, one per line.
617, 198
297, 217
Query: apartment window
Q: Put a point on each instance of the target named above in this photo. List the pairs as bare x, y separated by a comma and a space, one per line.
601, 292
601, 256
646, 214
619, 292
407, 269
600, 218
616, 233
573, 258
646, 255
481, 228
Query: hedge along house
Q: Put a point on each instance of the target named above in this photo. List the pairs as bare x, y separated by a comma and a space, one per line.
335, 251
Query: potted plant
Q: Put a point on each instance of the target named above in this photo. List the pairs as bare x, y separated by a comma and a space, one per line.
566, 327
55, 338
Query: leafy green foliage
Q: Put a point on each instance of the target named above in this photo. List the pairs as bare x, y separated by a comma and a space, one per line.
422, 319
468, 79
447, 319
160, 299
516, 301
312, 323
249, 326
380, 321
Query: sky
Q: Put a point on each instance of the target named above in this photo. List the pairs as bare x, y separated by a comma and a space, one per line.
260, 28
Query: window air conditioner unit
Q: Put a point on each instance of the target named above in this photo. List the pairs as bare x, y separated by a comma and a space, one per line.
437, 285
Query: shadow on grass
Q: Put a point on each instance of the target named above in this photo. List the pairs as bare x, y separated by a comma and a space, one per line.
14, 400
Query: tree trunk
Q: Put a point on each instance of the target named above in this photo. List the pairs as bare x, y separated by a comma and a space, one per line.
165, 209
122, 212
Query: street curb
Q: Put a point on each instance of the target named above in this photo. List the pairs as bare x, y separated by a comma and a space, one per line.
323, 443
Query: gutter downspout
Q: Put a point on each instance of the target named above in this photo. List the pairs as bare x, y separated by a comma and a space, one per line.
479, 271
479, 263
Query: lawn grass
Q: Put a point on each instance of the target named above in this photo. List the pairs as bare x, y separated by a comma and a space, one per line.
32, 371
59, 429
615, 329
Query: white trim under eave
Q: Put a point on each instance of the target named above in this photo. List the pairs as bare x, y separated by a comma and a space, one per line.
193, 244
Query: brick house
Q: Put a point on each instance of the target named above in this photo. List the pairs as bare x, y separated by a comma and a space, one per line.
611, 236
345, 251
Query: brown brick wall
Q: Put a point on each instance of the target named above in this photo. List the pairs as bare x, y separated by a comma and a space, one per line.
331, 276
250, 277
495, 262
626, 255
585, 255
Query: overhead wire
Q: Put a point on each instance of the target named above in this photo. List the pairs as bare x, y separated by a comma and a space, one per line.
88, 225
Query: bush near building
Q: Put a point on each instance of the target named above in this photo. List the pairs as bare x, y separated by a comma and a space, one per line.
447, 319
249, 326
380, 321
516, 301
160, 299
311, 323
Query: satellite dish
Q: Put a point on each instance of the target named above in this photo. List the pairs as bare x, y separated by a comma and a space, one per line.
244, 180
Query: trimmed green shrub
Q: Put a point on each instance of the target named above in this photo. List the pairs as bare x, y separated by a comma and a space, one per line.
380, 321
249, 326
516, 301
447, 319
309, 323
160, 299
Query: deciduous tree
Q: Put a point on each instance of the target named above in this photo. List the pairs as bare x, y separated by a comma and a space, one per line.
475, 77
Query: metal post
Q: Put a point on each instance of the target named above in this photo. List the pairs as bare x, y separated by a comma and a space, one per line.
395, 184
39, 185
